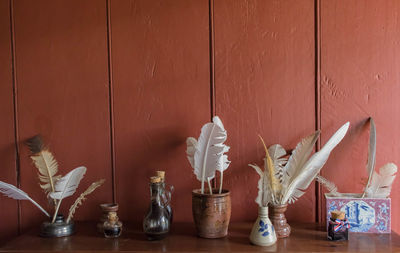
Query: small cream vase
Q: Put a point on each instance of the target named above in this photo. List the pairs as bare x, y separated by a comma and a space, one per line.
263, 232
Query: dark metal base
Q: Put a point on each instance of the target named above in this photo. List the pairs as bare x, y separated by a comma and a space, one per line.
57, 229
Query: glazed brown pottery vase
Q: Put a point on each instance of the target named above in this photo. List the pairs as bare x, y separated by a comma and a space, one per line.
278, 219
211, 213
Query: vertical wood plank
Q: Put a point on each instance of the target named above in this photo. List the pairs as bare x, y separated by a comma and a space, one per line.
9, 208
360, 78
62, 78
264, 79
160, 62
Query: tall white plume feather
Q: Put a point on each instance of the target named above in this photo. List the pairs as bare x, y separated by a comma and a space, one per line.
298, 158
13, 192
207, 154
381, 184
371, 153
223, 162
67, 186
304, 175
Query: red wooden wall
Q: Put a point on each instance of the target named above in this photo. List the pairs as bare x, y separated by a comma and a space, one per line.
118, 85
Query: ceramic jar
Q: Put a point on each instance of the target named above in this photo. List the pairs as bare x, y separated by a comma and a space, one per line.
211, 213
263, 232
279, 220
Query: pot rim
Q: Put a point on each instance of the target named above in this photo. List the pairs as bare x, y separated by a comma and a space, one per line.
278, 206
109, 206
197, 193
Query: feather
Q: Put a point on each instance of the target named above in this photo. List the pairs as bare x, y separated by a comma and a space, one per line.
304, 175
264, 195
190, 150
270, 170
13, 192
45, 163
371, 153
82, 198
278, 153
208, 150
298, 158
381, 184
330, 186
67, 186
223, 162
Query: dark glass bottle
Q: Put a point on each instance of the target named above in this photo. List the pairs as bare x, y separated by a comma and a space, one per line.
157, 222
339, 223
112, 227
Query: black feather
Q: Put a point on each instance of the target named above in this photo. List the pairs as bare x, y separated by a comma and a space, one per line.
35, 144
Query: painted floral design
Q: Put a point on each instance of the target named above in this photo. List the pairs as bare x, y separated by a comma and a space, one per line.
366, 215
383, 218
263, 228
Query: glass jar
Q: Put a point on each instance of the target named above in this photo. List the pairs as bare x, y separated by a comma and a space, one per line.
166, 194
112, 227
338, 230
166, 199
157, 222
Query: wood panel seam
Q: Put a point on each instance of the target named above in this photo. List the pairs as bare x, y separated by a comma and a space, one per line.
317, 28
15, 107
212, 58
111, 99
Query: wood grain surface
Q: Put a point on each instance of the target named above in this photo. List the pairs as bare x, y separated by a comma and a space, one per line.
304, 238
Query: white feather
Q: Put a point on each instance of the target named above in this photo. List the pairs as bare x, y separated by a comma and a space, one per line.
66, 186
371, 153
298, 158
330, 186
13, 192
223, 162
191, 149
264, 192
207, 154
216, 120
381, 184
277, 153
304, 175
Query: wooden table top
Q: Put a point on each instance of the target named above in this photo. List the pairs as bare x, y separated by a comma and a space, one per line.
304, 238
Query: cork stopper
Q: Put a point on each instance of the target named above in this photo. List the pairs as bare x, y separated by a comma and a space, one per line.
112, 216
338, 215
155, 180
161, 174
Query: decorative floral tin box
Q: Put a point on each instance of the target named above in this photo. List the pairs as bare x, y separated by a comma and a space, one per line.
365, 215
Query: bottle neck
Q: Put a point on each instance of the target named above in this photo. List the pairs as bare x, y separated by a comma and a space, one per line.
263, 211
155, 191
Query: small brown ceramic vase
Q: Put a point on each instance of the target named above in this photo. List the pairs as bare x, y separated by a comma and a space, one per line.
211, 213
278, 219
106, 208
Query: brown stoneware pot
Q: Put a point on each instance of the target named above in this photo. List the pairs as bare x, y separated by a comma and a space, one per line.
278, 219
211, 213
